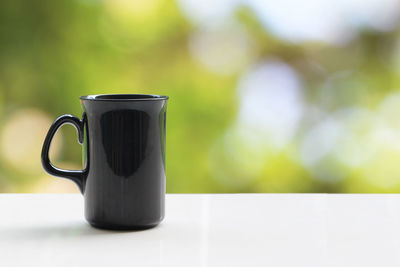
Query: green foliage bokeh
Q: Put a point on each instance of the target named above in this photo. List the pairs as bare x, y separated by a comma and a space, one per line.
52, 52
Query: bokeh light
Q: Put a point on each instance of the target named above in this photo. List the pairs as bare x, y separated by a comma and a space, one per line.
20, 148
225, 51
270, 103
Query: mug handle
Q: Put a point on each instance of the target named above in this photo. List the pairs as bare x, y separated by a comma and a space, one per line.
75, 175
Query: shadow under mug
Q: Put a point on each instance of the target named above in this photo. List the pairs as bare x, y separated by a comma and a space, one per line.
123, 138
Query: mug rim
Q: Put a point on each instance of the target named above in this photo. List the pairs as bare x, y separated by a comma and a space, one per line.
124, 97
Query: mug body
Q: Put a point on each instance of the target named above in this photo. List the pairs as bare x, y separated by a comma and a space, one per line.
124, 158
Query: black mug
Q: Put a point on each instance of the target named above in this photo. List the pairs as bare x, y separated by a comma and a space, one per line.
123, 178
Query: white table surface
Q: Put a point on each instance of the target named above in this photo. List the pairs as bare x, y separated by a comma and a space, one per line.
208, 230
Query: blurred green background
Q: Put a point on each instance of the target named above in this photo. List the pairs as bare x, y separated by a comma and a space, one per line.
300, 96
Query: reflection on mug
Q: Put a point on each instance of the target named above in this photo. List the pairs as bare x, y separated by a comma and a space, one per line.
125, 139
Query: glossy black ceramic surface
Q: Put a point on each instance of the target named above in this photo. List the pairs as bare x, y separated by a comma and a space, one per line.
123, 180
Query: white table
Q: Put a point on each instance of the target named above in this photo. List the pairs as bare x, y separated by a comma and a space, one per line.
208, 230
